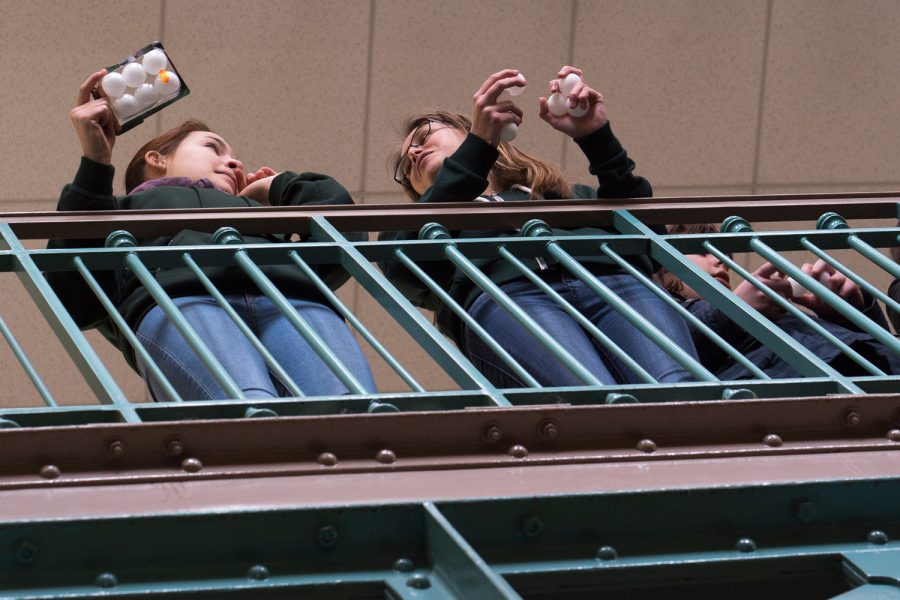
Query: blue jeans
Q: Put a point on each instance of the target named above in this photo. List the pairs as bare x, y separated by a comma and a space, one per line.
548, 371
193, 381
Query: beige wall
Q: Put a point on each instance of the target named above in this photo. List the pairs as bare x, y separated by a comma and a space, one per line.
709, 97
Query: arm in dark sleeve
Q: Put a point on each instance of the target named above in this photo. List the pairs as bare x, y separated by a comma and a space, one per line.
463, 176
90, 190
610, 163
712, 356
870, 308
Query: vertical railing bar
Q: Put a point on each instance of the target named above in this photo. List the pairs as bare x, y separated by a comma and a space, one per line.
668, 299
874, 255
265, 285
823, 293
68, 333
452, 556
471, 323
26, 365
222, 377
850, 274
124, 328
213, 291
787, 306
444, 352
537, 228
734, 308
580, 318
355, 322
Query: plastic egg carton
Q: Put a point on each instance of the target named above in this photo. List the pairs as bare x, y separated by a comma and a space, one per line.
142, 84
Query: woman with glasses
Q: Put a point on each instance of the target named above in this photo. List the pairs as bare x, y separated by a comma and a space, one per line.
189, 166
446, 157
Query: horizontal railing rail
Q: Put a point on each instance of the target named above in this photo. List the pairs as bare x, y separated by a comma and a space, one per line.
636, 222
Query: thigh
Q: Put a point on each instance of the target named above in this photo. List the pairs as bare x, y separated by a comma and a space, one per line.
629, 338
524, 348
298, 358
184, 369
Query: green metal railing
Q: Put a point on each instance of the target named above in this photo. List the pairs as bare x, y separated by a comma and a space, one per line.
329, 245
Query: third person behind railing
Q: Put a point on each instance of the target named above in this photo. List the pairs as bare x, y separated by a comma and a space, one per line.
446, 157
192, 167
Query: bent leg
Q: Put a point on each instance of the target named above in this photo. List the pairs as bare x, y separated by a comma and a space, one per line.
181, 366
524, 348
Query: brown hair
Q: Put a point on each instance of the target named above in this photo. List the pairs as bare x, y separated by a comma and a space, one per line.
665, 277
512, 167
136, 172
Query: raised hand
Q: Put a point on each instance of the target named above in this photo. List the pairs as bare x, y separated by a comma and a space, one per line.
581, 95
768, 275
490, 111
94, 122
836, 282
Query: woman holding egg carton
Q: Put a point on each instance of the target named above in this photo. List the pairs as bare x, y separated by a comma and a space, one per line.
189, 166
447, 157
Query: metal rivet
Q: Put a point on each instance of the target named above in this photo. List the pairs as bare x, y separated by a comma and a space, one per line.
386, 456
50, 472
258, 572
851, 418
106, 580
745, 545
403, 565
174, 448
532, 527
738, 394
648, 446
616, 398
26, 554
381, 407
492, 433
259, 413
548, 429
894, 435
327, 537
877, 537
773, 441
607, 553
419, 581
327, 459
191, 465
518, 451
806, 511
116, 448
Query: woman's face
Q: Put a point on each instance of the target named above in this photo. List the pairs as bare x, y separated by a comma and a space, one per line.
713, 266
425, 149
205, 154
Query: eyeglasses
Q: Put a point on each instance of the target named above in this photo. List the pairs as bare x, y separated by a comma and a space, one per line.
419, 136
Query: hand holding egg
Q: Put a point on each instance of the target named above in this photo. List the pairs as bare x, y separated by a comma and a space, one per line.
573, 107
837, 282
495, 117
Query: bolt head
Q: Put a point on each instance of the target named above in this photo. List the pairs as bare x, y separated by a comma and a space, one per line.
106, 580
191, 465
26, 554
532, 527
648, 446
327, 459
548, 429
745, 545
894, 435
773, 441
174, 447
327, 537
806, 512
492, 433
419, 582
116, 448
518, 451
403, 565
50, 472
851, 418
878, 537
386, 456
258, 573
607, 553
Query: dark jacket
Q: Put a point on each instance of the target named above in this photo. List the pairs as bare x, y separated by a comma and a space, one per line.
92, 190
463, 177
725, 368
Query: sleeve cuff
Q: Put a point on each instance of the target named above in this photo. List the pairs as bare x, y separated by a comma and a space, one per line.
94, 177
600, 145
476, 155
276, 189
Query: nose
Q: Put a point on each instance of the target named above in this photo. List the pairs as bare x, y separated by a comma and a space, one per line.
235, 164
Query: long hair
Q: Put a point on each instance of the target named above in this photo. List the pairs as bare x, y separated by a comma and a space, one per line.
665, 277
166, 143
512, 167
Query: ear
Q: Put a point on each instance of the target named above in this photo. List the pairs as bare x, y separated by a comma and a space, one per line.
156, 162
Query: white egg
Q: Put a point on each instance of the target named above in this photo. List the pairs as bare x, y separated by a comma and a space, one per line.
167, 83
567, 83
146, 96
125, 106
154, 61
134, 74
579, 110
517, 90
557, 104
509, 132
113, 84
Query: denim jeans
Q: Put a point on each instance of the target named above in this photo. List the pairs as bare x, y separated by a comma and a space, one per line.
193, 381
548, 371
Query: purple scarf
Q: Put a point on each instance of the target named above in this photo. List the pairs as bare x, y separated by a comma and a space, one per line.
174, 182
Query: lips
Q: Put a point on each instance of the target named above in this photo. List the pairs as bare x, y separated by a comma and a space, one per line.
421, 160
233, 178
723, 278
